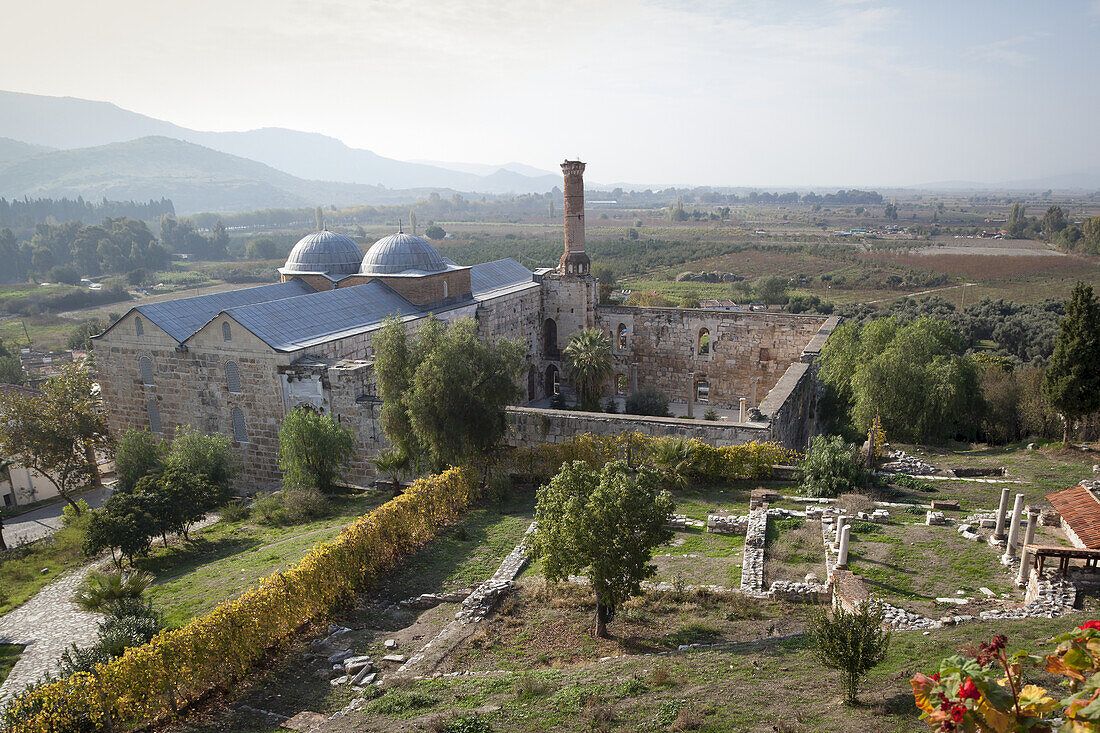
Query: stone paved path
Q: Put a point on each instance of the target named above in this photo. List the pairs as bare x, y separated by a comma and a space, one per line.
46, 624
36, 524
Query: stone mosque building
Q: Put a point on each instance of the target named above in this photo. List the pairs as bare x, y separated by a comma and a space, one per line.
236, 362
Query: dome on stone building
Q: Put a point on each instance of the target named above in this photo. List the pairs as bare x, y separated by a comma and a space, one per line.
399, 253
328, 252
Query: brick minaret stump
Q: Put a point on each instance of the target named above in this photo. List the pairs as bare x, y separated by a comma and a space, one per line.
575, 260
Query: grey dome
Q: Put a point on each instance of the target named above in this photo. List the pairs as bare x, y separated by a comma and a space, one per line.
327, 252
400, 252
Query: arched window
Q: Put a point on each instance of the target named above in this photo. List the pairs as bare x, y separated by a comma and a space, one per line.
227, 332
620, 384
232, 377
444, 288
620, 342
550, 339
146, 366
139, 327
240, 430
704, 342
153, 412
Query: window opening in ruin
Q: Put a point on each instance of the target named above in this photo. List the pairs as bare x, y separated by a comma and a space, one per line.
704, 342
146, 366
702, 389
444, 289
240, 431
139, 327
620, 384
154, 416
227, 332
232, 377
550, 338
621, 342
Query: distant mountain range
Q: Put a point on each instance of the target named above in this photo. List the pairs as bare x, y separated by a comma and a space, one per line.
33, 125
63, 146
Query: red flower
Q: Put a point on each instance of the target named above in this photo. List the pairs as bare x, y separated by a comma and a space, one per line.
1090, 625
935, 678
958, 713
968, 690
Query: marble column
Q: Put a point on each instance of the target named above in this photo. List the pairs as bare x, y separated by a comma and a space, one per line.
1032, 521
1025, 561
633, 377
1002, 509
1014, 527
841, 521
741, 415
842, 556
691, 395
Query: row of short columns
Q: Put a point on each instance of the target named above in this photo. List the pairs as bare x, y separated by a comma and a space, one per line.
843, 538
1010, 525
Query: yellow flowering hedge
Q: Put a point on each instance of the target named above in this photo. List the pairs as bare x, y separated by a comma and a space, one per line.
212, 652
708, 464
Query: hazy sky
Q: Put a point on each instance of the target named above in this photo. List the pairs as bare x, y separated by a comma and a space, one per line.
767, 92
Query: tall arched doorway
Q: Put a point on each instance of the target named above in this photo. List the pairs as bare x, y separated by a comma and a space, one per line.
553, 381
550, 339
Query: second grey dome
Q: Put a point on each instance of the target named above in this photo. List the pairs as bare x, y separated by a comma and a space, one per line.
400, 253
327, 252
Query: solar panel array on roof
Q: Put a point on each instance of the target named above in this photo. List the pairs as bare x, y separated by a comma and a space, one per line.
181, 318
296, 323
497, 275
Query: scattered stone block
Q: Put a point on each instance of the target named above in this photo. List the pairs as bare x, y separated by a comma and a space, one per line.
987, 592
352, 665
934, 518
339, 657
1050, 518
365, 677
337, 681
395, 658
945, 505
390, 643
304, 721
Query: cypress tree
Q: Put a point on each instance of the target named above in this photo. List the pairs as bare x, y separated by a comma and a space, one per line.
1072, 381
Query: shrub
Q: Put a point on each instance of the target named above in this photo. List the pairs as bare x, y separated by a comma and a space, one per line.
69, 515
852, 643
468, 724
300, 505
711, 414
313, 450
268, 509
182, 665
831, 468
100, 589
648, 401
234, 511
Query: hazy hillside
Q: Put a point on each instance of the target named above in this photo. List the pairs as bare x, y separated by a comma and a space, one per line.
70, 123
194, 177
12, 149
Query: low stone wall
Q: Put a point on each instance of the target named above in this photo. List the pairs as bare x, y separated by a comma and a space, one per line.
752, 567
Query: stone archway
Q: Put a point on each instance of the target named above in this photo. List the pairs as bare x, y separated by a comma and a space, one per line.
552, 382
550, 339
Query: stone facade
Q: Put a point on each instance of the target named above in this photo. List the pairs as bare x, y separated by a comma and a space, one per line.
223, 378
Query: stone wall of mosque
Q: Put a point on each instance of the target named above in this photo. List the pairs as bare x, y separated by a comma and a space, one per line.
735, 355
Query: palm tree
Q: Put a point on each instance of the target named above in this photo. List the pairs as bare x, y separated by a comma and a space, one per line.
674, 458
395, 463
588, 362
101, 588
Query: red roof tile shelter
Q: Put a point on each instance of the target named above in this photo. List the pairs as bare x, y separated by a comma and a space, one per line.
1080, 510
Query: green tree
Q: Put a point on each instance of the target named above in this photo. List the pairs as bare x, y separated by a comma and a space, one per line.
588, 363
1092, 233
435, 232
1054, 221
313, 450
771, 289
1072, 381
81, 336
605, 524
913, 376
832, 467
1017, 221
853, 643
124, 524
459, 389
393, 369
648, 400
891, 212
138, 454
211, 456
11, 370
261, 248
57, 431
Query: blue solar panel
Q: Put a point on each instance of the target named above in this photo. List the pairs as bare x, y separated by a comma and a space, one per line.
181, 318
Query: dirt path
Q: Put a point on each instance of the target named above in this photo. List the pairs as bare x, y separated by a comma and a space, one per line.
919, 292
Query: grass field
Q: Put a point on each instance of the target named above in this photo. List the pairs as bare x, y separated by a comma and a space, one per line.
9, 655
